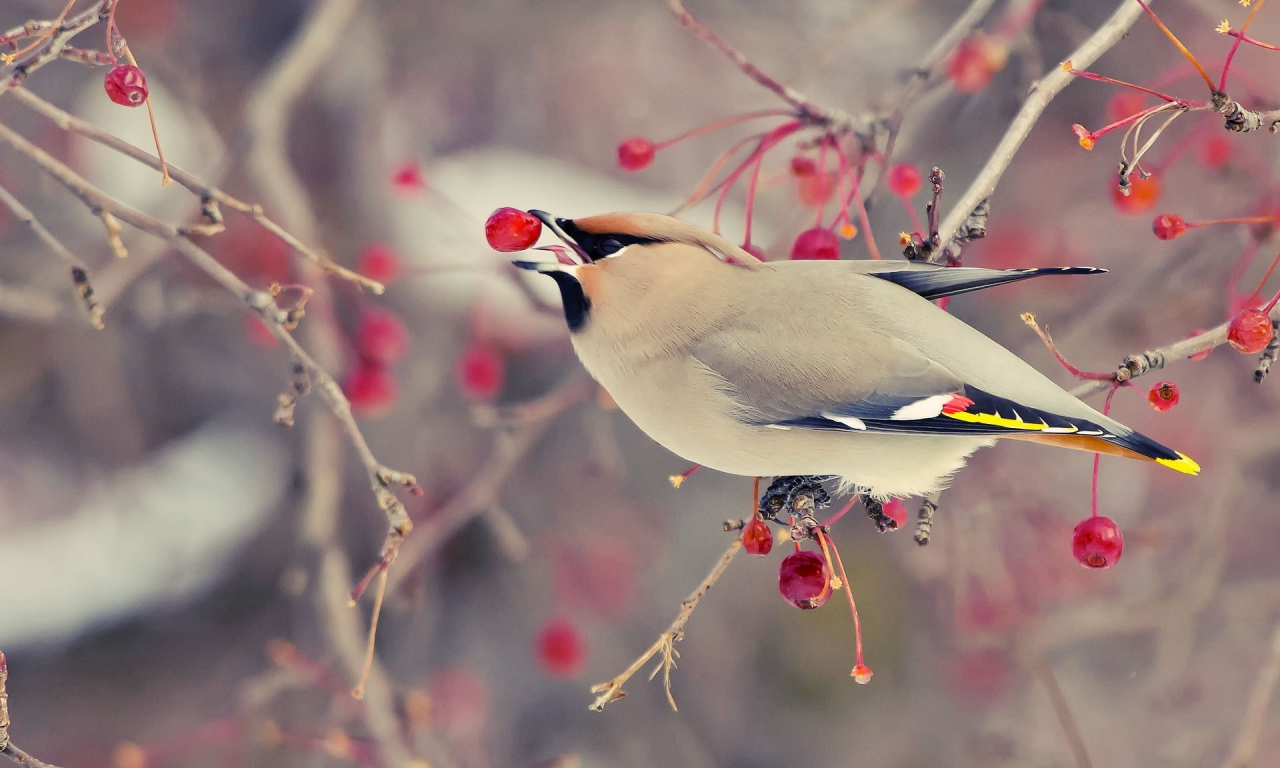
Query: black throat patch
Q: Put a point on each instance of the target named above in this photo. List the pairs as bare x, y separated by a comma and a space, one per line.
576, 304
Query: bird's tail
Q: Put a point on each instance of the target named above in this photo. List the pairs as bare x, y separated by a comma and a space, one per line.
1132, 445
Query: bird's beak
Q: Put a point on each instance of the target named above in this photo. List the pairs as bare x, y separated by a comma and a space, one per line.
555, 225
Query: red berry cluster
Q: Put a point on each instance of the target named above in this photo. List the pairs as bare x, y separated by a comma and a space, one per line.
380, 340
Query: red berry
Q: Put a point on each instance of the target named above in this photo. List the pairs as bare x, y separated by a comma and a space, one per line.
1199, 355
1215, 151
1163, 396
975, 61
379, 262
636, 153
896, 510
803, 579
126, 85
818, 244
816, 188
1250, 331
511, 229
1124, 104
802, 166
905, 180
1143, 195
381, 337
561, 648
757, 538
408, 178
371, 389
1168, 226
1096, 542
756, 251
481, 372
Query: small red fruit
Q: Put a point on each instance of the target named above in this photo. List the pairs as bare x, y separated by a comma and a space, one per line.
756, 251
371, 389
816, 188
636, 153
381, 337
757, 538
408, 178
818, 244
126, 85
1199, 355
1250, 331
1167, 226
1096, 542
1143, 195
975, 61
1124, 104
379, 262
896, 510
561, 648
511, 229
1215, 151
802, 166
1163, 396
905, 180
803, 579
481, 372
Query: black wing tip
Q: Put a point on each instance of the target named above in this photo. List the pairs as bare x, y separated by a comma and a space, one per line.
1064, 271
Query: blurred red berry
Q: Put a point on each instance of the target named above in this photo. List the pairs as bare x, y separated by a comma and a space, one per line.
1163, 396
978, 676
408, 178
1199, 355
481, 372
1143, 196
905, 180
381, 337
817, 244
126, 85
756, 251
757, 538
371, 389
379, 262
561, 648
1167, 226
802, 166
1124, 104
259, 334
803, 579
459, 700
511, 229
596, 575
815, 188
974, 62
1250, 331
636, 153
1096, 542
896, 510
1215, 151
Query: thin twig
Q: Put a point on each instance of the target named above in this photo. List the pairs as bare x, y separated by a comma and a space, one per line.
611, 691
1255, 714
79, 272
1063, 712
1043, 92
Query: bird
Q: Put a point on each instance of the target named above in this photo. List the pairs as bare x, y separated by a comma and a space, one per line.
841, 368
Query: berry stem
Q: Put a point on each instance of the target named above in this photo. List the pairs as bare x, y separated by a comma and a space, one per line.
755, 497
1247, 220
843, 510
822, 169
1235, 46
751, 197
1030, 320
915, 217
768, 142
1104, 79
155, 133
1095, 135
705, 185
720, 125
111, 30
855, 195
1178, 43
678, 480
1241, 266
367, 667
1093, 492
48, 33
1245, 38
825, 541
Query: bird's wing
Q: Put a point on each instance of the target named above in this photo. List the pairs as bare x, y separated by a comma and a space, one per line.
936, 282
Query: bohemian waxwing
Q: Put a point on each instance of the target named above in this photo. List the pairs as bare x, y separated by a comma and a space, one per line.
842, 368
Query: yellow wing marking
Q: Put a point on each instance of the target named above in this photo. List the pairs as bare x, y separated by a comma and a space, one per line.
1184, 464
996, 420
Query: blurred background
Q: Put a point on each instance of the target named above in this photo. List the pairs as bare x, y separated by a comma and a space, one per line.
174, 567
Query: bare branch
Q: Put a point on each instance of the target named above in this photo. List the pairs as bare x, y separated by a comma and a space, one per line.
79, 272
1255, 715
1042, 92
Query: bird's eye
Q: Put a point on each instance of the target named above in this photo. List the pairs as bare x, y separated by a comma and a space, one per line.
609, 247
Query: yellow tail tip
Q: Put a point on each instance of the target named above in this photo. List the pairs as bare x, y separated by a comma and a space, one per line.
1184, 464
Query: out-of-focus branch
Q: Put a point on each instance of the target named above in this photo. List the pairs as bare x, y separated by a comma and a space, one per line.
1065, 719
1255, 715
1155, 359
611, 691
8, 748
1043, 92
79, 272
210, 195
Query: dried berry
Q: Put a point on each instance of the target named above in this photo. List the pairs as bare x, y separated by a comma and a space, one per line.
1163, 396
1167, 226
126, 85
1250, 331
757, 538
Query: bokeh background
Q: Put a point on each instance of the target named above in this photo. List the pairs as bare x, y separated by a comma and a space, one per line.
164, 546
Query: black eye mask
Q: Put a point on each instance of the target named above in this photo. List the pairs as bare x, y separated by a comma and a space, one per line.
601, 246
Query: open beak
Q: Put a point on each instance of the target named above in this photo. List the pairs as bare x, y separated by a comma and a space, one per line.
554, 224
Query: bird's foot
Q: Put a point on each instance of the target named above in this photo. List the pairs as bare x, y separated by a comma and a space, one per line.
875, 511
799, 497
